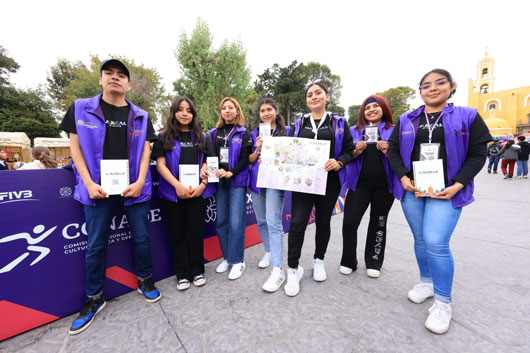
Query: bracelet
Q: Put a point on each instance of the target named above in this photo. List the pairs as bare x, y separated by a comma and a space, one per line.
341, 165
205, 183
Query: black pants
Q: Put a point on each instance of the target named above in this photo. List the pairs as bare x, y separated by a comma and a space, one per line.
186, 225
301, 206
357, 201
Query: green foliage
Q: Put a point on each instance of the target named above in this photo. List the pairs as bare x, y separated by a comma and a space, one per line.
398, 99
7, 66
208, 75
68, 81
287, 86
353, 114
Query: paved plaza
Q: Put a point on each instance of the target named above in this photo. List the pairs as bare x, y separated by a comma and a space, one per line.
354, 313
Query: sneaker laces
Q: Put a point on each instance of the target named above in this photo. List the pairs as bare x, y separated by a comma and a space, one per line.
438, 310
149, 286
89, 306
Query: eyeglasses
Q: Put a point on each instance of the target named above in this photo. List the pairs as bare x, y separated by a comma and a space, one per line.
437, 83
311, 83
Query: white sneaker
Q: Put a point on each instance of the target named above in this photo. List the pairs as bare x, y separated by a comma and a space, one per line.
236, 271
292, 287
222, 267
183, 284
439, 317
265, 260
319, 272
421, 292
345, 270
275, 280
373, 273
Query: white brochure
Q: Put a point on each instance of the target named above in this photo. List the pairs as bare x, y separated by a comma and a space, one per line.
212, 164
189, 175
114, 175
429, 177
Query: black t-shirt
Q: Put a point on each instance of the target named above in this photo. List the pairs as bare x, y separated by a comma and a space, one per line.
189, 152
479, 136
116, 119
223, 140
373, 170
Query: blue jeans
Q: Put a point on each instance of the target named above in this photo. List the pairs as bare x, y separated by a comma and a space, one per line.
231, 220
432, 222
268, 208
494, 161
522, 168
98, 220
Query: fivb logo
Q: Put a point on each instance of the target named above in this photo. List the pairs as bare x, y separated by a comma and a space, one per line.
31, 246
15, 196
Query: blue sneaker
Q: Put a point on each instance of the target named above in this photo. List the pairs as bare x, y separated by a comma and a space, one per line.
86, 315
148, 289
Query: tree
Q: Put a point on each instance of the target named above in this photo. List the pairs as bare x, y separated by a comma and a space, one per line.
208, 75
23, 110
398, 99
68, 81
316, 71
353, 114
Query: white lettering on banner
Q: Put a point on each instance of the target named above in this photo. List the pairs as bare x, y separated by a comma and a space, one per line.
14, 196
211, 210
43, 251
249, 198
154, 215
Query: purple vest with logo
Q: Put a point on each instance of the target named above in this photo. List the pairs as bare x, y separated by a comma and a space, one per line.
90, 125
353, 169
234, 151
166, 191
337, 125
456, 121
254, 168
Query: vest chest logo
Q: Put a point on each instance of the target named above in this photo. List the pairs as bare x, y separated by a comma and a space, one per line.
88, 125
237, 140
407, 132
340, 131
138, 132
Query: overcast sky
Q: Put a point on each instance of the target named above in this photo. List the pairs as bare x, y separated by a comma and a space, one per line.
371, 45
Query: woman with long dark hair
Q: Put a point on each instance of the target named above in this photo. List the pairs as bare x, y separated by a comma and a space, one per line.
268, 203
458, 137
231, 142
370, 181
319, 124
182, 146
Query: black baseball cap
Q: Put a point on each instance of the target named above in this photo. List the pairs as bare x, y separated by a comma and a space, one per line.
117, 63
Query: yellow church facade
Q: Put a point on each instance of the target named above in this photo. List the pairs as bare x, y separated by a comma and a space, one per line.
505, 112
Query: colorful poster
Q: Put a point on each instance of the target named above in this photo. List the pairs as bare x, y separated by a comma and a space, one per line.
294, 164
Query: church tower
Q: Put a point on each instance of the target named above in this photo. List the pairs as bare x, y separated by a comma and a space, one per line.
485, 75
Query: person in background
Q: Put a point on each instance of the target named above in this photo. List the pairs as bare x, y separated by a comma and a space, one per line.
182, 142
509, 154
370, 183
493, 155
3, 160
41, 159
268, 203
458, 136
319, 124
522, 158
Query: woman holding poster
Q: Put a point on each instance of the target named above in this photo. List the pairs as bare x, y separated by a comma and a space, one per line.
180, 152
318, 125
369, 182
437, 138
267, 202
231, 142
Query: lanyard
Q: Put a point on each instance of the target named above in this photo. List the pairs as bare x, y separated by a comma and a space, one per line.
314, 126
226, 137
434, 125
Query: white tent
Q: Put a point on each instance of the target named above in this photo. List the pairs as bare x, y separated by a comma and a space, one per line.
51, 142
17, 145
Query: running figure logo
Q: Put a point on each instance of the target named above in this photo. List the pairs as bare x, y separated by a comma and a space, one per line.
31, 246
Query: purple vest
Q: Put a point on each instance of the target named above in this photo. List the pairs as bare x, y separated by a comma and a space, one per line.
234, 151
456, 121
165, 189
353, 169
254, 168
337, 124
90, 125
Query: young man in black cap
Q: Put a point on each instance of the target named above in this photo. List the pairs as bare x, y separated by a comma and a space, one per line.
109, 127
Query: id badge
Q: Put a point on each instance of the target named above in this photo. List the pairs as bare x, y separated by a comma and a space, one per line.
429, 151
372, 134
223, 155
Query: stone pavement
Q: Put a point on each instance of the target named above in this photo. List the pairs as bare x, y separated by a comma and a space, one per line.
491, 305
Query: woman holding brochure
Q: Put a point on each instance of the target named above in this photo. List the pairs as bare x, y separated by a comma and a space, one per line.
441, 139
369, 182
180, 152
231, 142
268, 203
319, 125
